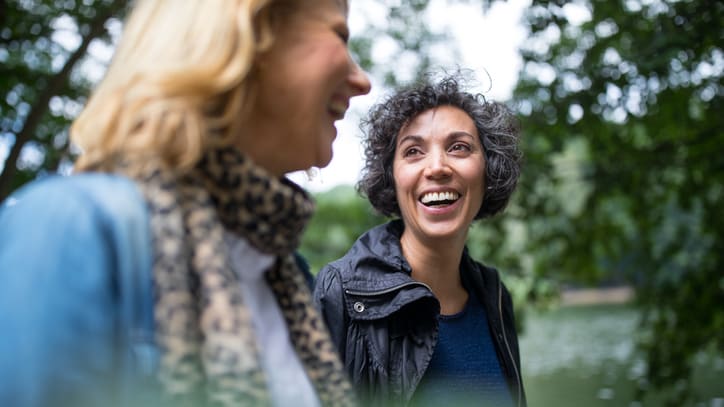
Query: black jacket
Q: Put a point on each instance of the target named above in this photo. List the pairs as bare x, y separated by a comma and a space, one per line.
384, 323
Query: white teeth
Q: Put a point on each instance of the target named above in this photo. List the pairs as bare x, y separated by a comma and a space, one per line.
439, 196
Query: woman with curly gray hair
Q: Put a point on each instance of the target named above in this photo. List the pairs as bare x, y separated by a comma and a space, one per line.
415, 319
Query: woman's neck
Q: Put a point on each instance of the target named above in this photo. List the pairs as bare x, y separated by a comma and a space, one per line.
438, 266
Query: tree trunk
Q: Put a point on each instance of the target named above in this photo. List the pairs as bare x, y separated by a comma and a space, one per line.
55, 84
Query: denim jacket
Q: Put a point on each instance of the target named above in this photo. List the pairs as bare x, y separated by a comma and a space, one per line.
76, 306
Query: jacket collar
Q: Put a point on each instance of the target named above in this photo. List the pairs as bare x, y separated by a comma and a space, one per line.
378, 260
377, 257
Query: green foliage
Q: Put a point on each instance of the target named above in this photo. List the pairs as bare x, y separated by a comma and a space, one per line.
398, 26
341, 217
622, 114
41, 88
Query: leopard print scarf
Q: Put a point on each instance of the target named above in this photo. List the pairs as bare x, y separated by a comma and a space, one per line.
209, 354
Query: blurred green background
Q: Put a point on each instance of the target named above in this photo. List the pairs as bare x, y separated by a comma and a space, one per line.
623, 182
585, 355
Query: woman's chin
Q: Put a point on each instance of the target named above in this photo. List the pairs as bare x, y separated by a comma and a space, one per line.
323, 160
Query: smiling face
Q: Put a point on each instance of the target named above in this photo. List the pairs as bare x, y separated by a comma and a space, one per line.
439, 172
304, 84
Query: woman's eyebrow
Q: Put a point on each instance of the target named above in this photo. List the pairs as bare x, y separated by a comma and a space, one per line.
410, 137
415, 138
459, 134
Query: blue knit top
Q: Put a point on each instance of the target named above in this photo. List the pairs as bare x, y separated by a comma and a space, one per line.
464, 369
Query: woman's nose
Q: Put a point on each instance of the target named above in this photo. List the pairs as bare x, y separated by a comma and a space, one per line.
437, 166
358, 79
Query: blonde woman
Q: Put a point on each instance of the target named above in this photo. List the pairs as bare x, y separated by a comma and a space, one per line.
163, 271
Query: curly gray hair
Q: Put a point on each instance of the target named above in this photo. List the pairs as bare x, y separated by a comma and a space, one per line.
498, 129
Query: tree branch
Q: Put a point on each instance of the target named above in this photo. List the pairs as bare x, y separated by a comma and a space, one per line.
55, 84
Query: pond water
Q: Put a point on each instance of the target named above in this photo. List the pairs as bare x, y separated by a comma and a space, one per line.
586, 356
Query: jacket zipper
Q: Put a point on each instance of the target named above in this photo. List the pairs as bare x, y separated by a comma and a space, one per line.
505, 340
386, 290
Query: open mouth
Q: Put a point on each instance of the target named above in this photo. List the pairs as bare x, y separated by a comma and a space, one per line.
438, 199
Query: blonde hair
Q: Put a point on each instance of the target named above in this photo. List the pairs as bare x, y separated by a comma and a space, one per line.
179, 80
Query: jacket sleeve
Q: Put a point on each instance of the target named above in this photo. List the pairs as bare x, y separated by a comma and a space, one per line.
59, 308
328, 298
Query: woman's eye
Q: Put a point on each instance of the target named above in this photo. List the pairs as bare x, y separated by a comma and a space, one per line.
460, 147
410, 152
